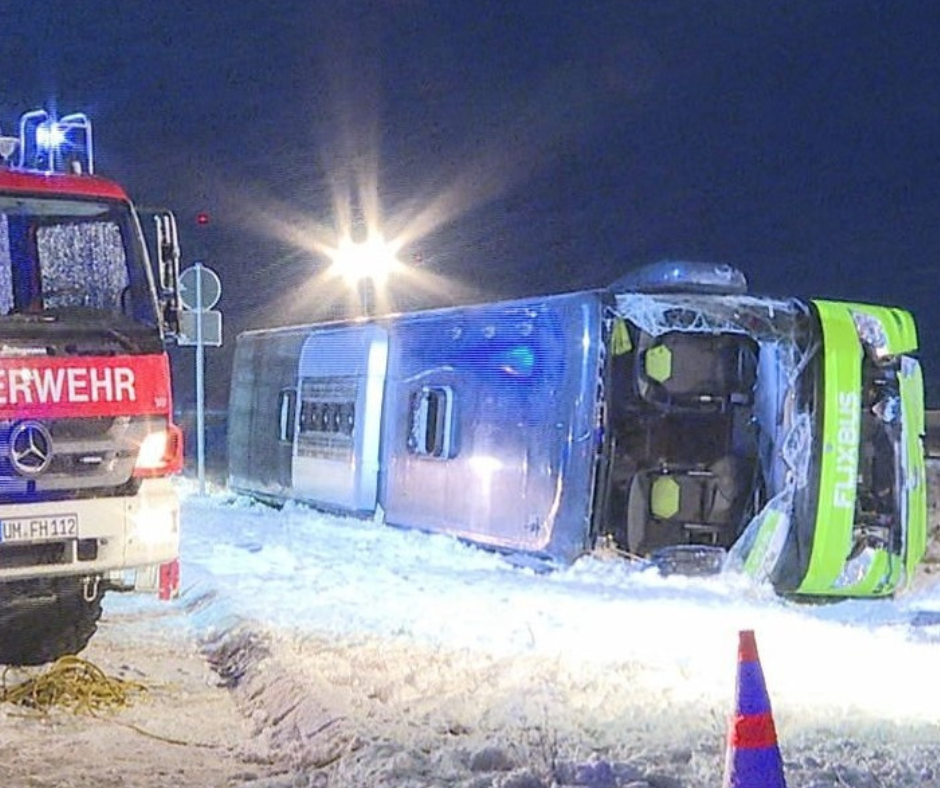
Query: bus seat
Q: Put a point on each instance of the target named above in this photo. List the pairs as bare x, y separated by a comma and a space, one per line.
672, 505
696, 371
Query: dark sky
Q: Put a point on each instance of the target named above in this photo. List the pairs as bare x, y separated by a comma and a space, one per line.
552, 144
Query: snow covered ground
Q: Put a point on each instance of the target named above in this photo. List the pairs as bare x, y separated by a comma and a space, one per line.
365, 655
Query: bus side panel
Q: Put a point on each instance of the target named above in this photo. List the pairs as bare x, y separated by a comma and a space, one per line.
490, 430
264, 374
341, 375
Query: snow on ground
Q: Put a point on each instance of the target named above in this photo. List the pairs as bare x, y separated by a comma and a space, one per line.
183, 732
368, 656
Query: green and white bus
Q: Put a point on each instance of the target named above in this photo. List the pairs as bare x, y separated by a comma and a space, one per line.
673, 417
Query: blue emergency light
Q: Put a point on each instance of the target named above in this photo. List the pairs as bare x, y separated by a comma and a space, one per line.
56, 145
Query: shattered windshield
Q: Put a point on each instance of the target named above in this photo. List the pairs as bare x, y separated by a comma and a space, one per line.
60, 253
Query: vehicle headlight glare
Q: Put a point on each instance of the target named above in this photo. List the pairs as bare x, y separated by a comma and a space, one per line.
155, 527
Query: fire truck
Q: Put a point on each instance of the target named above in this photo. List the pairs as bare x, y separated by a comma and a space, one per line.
87, 438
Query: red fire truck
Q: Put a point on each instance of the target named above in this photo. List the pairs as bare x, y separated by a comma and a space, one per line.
87, 439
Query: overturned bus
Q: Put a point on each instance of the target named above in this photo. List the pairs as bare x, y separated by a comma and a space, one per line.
673, 416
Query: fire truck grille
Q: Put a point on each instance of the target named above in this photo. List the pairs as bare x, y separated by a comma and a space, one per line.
87, 454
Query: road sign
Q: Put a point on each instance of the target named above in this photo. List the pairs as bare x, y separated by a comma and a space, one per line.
197, 275
211, 327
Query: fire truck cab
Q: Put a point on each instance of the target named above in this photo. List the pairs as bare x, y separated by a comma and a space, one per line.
87, 439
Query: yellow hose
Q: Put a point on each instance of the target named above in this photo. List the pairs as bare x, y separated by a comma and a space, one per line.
74, 684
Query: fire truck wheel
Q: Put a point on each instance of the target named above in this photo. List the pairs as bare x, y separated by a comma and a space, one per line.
42, 620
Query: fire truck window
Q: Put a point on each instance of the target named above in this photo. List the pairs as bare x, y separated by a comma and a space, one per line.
82, 264
22, 271
58, 253
6, 268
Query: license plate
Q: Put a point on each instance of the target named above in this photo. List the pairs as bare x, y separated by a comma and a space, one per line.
38, 529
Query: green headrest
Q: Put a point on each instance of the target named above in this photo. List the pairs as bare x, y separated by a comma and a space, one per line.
664, 497
658, 363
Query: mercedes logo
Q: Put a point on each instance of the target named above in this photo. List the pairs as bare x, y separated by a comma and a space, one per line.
30, 448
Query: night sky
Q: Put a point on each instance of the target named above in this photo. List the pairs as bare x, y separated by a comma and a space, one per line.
518, 148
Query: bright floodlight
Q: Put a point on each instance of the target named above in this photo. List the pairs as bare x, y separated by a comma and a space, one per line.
371, 259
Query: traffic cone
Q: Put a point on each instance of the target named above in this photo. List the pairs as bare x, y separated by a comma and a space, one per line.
753, 758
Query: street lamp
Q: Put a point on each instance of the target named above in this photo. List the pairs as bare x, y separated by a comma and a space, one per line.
365, 265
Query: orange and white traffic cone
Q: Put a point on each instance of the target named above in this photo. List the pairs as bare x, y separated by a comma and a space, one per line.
753, 757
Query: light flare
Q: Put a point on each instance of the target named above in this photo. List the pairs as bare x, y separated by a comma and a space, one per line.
373, 259
522, 129
50, 135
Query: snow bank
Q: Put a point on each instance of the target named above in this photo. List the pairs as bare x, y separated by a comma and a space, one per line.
368, 656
